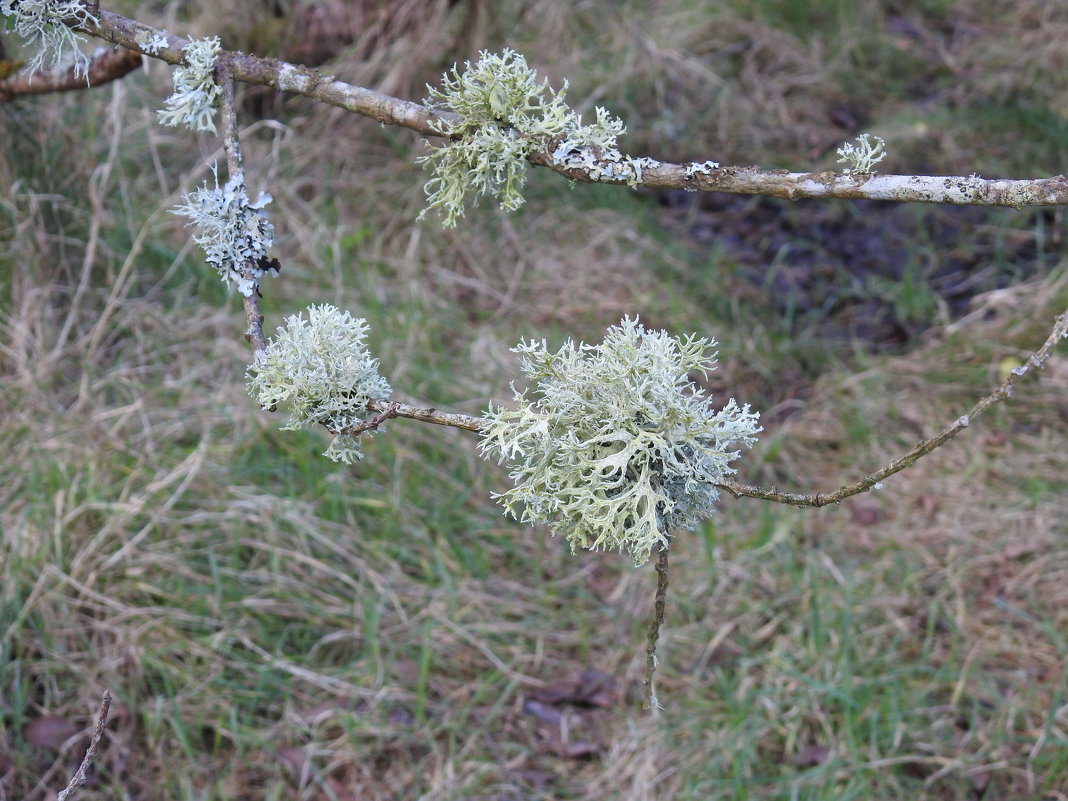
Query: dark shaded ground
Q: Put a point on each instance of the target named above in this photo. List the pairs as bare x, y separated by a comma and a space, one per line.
869, 271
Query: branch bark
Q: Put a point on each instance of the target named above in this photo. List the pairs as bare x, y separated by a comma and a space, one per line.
104, 66
696, 176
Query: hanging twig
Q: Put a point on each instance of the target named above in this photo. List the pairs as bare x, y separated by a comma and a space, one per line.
90, 754
235, 168
649, 700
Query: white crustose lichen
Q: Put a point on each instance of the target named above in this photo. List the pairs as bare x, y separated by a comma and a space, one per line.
619, 446
45, 25
506, 114
195, 90
233, 232
863, 156
321, 370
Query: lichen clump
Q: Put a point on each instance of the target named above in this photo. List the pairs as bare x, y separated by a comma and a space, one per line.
45, 25
861, 158
506, 114
619, 446
320, 369
195, 91
233, 232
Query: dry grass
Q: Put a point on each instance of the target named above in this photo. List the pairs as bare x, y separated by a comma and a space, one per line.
272, 626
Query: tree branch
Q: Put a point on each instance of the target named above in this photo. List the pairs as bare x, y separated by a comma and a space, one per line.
696, 176
426, 415
738, 490
1004, 391
104, 66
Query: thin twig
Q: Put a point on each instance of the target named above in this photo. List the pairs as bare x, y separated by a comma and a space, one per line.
695, 176
101, 723
429, 415
649, 701
235, 169
371, 425
1004, 391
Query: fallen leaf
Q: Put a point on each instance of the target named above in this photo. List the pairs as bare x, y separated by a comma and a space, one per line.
338, 791
49, 732
590, 688
545, 713
812, 755
980, 782
293, 758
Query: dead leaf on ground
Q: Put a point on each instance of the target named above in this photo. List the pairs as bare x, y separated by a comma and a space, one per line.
590, 688
49, 731
812, 755
570, 713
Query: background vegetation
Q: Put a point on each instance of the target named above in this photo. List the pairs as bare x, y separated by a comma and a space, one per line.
273, 625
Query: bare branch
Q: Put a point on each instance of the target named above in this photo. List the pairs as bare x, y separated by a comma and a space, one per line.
430, 415
373, 424
1036, 360
104, 66
697, 176
90, 754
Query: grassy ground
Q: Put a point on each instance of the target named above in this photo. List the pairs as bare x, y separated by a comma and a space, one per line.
273, 625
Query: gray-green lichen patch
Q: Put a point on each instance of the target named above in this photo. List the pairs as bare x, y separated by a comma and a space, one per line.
618, 446
505, 115
321, 370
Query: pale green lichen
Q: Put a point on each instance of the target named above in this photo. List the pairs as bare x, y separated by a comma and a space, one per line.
321, 370
860, 158
619, 446
195, 91
45, 25
506, 114
233, 231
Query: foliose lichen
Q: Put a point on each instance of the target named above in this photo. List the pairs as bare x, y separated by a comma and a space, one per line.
505, 115
863, 156
45, 25
195, 91
618, 446
321, 370
234, 233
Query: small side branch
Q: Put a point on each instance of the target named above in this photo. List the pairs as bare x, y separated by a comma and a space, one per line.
738, 490
372, 425
104, 66
649, 694
430, 415
90, 754
1004, 391
235, 168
